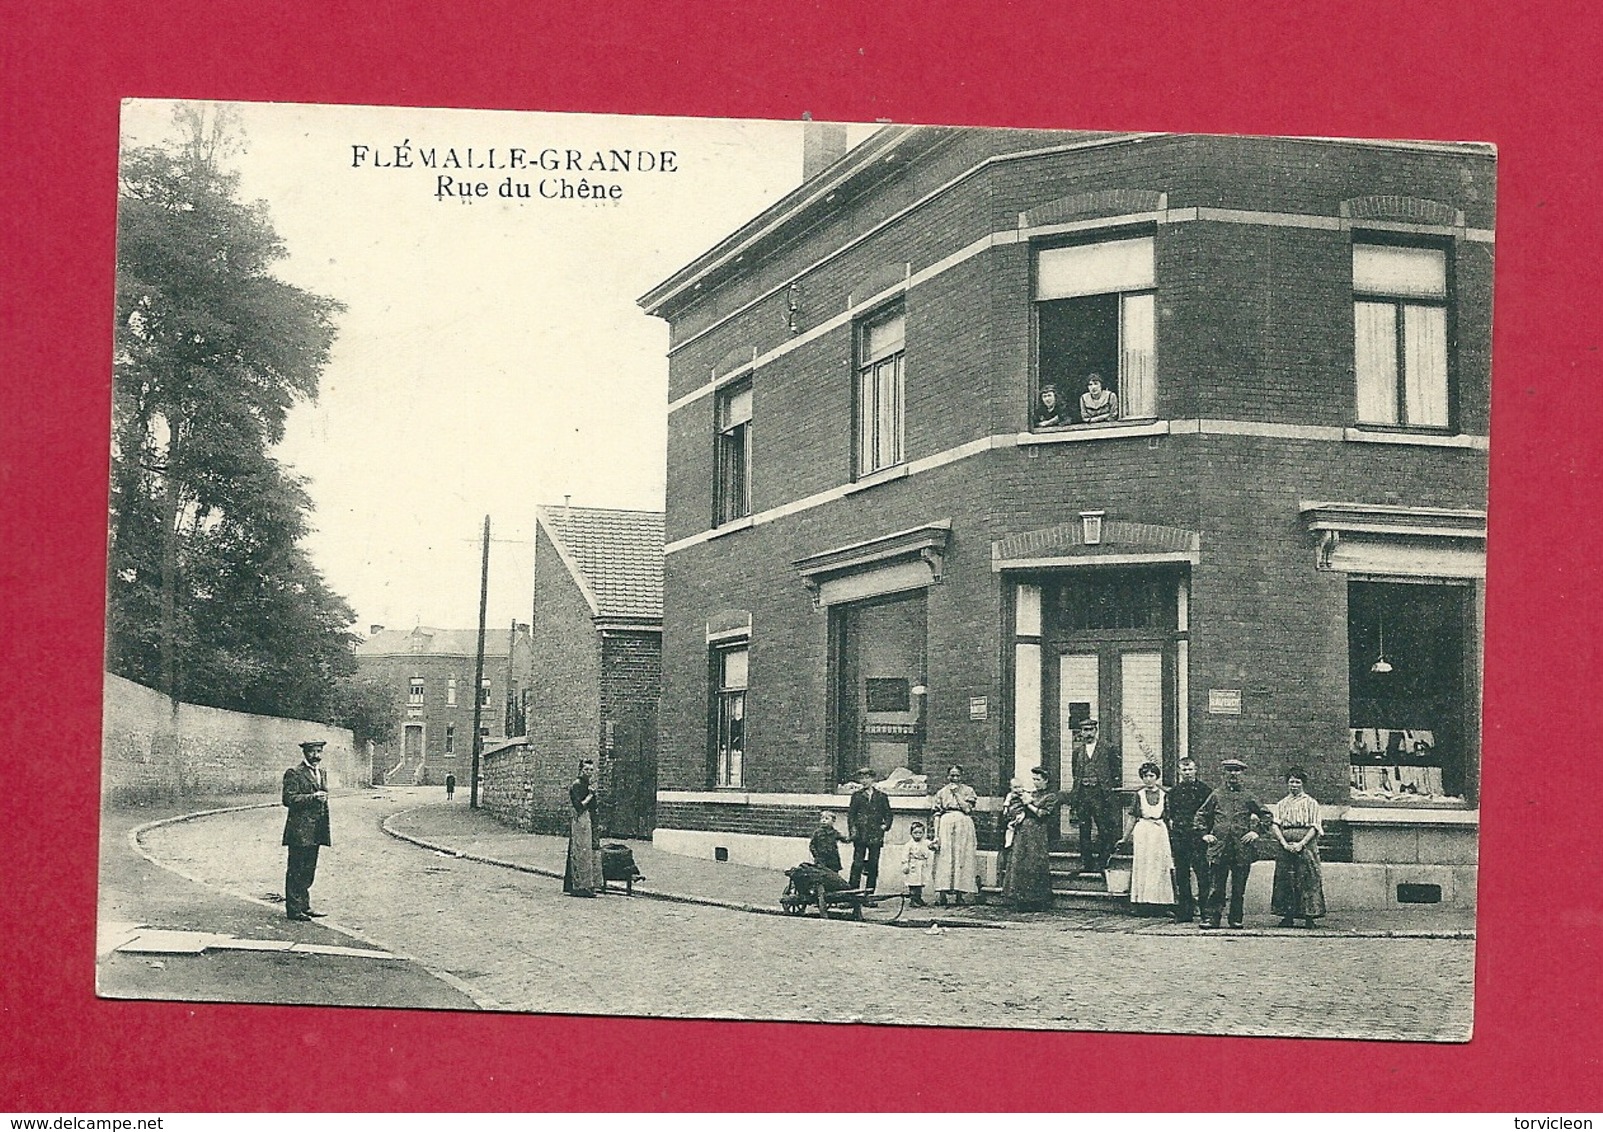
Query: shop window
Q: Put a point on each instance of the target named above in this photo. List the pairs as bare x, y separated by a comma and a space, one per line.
729, 672
881, 390
732, 492
1407, 691
1095, 320
1400, 335
414, 691
877, 658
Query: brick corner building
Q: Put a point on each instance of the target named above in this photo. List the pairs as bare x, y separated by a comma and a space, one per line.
978, 433
431, 674
597, 673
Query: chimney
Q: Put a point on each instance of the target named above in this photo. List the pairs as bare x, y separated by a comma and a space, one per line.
823, 144
374, 630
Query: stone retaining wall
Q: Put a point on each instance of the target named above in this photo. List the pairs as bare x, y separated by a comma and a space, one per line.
149, 752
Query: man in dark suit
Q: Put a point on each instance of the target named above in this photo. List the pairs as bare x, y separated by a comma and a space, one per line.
1190, 853
868, 819
1095, 763
305, 828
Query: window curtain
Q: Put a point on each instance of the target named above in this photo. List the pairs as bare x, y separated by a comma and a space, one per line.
1375, 357
1425, 365
1096, 269
1137, 364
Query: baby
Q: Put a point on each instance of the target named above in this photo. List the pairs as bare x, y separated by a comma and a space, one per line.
919, 866
1013, 809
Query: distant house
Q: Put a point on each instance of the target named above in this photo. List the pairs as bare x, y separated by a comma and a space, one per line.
597, 672
431, 674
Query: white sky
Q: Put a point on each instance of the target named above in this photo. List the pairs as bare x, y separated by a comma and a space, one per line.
491, 356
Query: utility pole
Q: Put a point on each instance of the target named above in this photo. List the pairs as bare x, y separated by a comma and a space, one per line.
478, 668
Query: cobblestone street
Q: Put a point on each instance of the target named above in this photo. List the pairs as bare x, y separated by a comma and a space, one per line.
514, 942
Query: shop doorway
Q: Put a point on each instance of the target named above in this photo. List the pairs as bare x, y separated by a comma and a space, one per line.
1113, 657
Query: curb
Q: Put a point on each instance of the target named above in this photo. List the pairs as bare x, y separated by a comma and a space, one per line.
768, 910
666, 897
540, 871
139, 830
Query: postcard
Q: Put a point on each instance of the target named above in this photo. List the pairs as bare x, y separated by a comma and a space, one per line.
859, 573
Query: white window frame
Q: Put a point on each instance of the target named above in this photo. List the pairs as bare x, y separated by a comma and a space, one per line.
880, 395
733, 411
414, 691
1400, 295
1125, 266
450, 691
729, 704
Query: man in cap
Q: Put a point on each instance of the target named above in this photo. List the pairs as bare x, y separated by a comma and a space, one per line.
1228, 822
868, 819
1095, 763
305, 828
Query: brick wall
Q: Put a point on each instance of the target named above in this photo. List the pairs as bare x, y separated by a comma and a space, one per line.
148, 752
631, 688
1255, 323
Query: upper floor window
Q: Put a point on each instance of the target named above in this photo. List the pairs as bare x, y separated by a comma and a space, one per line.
729, 716
414, 691
484, 692
1400, 335
881, 389
450, 691
732, 492
450, 738
1096, 331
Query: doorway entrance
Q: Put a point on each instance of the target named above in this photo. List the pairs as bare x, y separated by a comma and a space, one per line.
1112, 655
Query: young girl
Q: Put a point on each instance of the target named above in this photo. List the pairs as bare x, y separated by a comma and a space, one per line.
918, 867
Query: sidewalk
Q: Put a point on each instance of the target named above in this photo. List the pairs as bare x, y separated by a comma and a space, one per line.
455, 829
164, 936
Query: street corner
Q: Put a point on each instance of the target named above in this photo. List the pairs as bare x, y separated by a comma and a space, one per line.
138, 962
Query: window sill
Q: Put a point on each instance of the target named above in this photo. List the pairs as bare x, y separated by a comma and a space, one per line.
741, 524
1420, 439
874, 479
1070, 433
1375, 811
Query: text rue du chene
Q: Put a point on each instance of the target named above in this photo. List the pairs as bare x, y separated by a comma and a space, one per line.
524, 172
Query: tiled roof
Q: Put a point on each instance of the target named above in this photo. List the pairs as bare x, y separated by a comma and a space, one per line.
615, 556
433, 642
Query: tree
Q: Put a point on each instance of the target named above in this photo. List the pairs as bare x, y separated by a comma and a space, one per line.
368, 706
211, 598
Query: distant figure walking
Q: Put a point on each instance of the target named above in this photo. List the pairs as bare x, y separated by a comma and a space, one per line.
305, 795
450, 787
583, 874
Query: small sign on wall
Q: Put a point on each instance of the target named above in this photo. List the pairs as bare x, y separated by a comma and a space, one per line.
979, 707
1224, 701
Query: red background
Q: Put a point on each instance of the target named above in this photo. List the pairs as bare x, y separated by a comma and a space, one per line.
1524, 78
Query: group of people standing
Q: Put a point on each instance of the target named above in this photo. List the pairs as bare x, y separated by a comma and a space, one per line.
1179, 834
941, 859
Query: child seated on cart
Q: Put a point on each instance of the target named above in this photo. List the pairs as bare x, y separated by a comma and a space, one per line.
822, 874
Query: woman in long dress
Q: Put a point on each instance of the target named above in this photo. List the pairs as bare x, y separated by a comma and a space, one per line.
956, 847
1028, 884
582, 877
1152, 871
1299, 892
